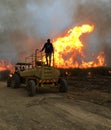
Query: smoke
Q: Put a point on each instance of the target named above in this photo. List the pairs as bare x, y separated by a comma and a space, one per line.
97, 13
26, 24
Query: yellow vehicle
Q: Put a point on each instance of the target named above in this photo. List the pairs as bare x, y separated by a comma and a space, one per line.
35, 74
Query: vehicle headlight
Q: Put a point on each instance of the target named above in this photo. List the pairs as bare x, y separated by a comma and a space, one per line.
10, 75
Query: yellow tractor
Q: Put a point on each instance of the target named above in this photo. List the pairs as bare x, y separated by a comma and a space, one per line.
35, 74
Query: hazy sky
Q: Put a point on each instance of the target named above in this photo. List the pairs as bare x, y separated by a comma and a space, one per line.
26, 24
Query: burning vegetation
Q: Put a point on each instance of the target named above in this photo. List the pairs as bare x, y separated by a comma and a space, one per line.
5, 69
5, 66
69, 51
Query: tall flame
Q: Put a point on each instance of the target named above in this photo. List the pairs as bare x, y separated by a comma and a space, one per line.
4, 66
69, 49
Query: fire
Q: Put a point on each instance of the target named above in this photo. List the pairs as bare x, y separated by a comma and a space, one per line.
4, 66
69, 49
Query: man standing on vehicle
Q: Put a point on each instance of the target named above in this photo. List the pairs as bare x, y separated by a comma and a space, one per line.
48, 47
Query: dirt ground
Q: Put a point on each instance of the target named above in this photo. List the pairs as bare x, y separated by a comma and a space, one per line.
86, 106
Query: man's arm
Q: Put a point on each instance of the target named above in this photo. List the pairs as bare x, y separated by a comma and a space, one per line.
42, 48
52, 48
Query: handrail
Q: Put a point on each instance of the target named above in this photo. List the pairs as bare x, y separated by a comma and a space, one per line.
38, 56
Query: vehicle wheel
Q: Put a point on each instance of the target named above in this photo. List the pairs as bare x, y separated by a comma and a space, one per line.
9, 81
15, 81
31, 88
63, 87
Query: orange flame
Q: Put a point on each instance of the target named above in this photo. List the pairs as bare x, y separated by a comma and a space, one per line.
4, 66
69, 49
69, 52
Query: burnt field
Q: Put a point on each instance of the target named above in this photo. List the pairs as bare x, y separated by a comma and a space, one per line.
4, 75
92, 84
92, 89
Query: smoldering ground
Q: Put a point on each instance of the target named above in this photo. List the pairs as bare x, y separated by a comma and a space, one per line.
26, 24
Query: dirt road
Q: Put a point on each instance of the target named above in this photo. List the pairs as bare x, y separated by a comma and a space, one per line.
50, 110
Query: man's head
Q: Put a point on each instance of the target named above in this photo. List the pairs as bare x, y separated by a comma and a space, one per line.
48, 40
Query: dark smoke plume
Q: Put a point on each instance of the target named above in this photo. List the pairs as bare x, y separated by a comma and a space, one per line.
26, 24
97, 13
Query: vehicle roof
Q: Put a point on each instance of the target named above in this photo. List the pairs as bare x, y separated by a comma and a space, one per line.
23, 63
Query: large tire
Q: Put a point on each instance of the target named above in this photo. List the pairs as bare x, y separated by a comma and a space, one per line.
9, 81
63, 87
31, 88
15, 81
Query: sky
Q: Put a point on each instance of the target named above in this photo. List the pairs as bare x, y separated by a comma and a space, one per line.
27, 24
